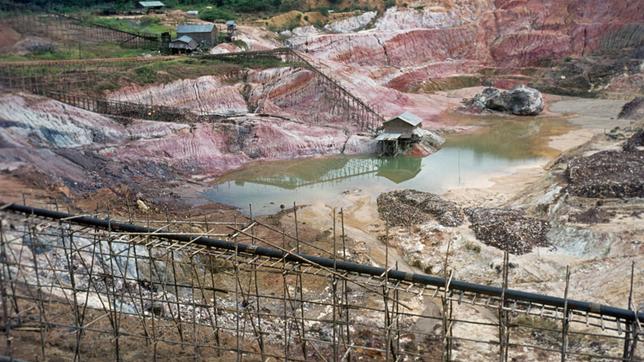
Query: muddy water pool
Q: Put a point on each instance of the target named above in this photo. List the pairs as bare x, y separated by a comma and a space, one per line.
495, 146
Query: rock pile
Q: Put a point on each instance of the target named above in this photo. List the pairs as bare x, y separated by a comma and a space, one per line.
521, 100
507, 228
408, 207
635, 142
609, 174
633, 109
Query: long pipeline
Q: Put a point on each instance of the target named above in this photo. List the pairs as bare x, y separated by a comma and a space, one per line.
457, 285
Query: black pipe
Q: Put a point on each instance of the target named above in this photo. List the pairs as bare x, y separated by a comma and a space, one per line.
425, 279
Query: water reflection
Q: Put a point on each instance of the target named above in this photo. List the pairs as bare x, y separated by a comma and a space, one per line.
465, 161
329, 170
400, 169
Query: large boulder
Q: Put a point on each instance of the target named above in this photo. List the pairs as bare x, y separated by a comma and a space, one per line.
521, 101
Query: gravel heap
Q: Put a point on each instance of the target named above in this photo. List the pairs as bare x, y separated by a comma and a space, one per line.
609, 174
509, 228
408, 207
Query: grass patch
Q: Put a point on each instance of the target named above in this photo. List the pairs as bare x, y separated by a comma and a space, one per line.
212, 13
120, 74
145, 24
105, 50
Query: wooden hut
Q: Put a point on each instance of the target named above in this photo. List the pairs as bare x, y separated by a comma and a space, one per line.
398, 133
183, 44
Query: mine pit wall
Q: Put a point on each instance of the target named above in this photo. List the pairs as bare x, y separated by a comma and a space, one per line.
57, 146
360, 115
247, 295
322, 92
508, 36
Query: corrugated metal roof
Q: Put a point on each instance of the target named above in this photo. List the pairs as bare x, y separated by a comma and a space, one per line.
408, 118
195, 28
188, 41
184, 39
151, 4
388, 136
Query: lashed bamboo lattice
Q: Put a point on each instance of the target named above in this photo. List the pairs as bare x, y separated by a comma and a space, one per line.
113, 292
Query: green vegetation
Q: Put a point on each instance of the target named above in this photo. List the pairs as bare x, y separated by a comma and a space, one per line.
209, 9
473, 247
289, 25
241, 44
211, 13
117, 75
144, 75
105, 50
146, 24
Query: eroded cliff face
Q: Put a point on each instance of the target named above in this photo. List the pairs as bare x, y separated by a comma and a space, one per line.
204, 95
457, 37
54, 145
38, 122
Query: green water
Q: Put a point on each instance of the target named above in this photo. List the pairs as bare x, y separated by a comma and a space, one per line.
497, 146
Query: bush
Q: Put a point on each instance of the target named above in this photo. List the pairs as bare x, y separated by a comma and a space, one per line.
288, 5
41, 48
213, 13
473, 247
250, 6
149, 20
145, 75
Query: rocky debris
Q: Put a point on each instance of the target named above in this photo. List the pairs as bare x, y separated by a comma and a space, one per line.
591, 76
359, 144
424, 143
521, 101
434, 17
408, 207
633, 109
142, 206
635, 142
594, 215
301, 32
430, 138
508, 228
616, 134
608, 174
351, 24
